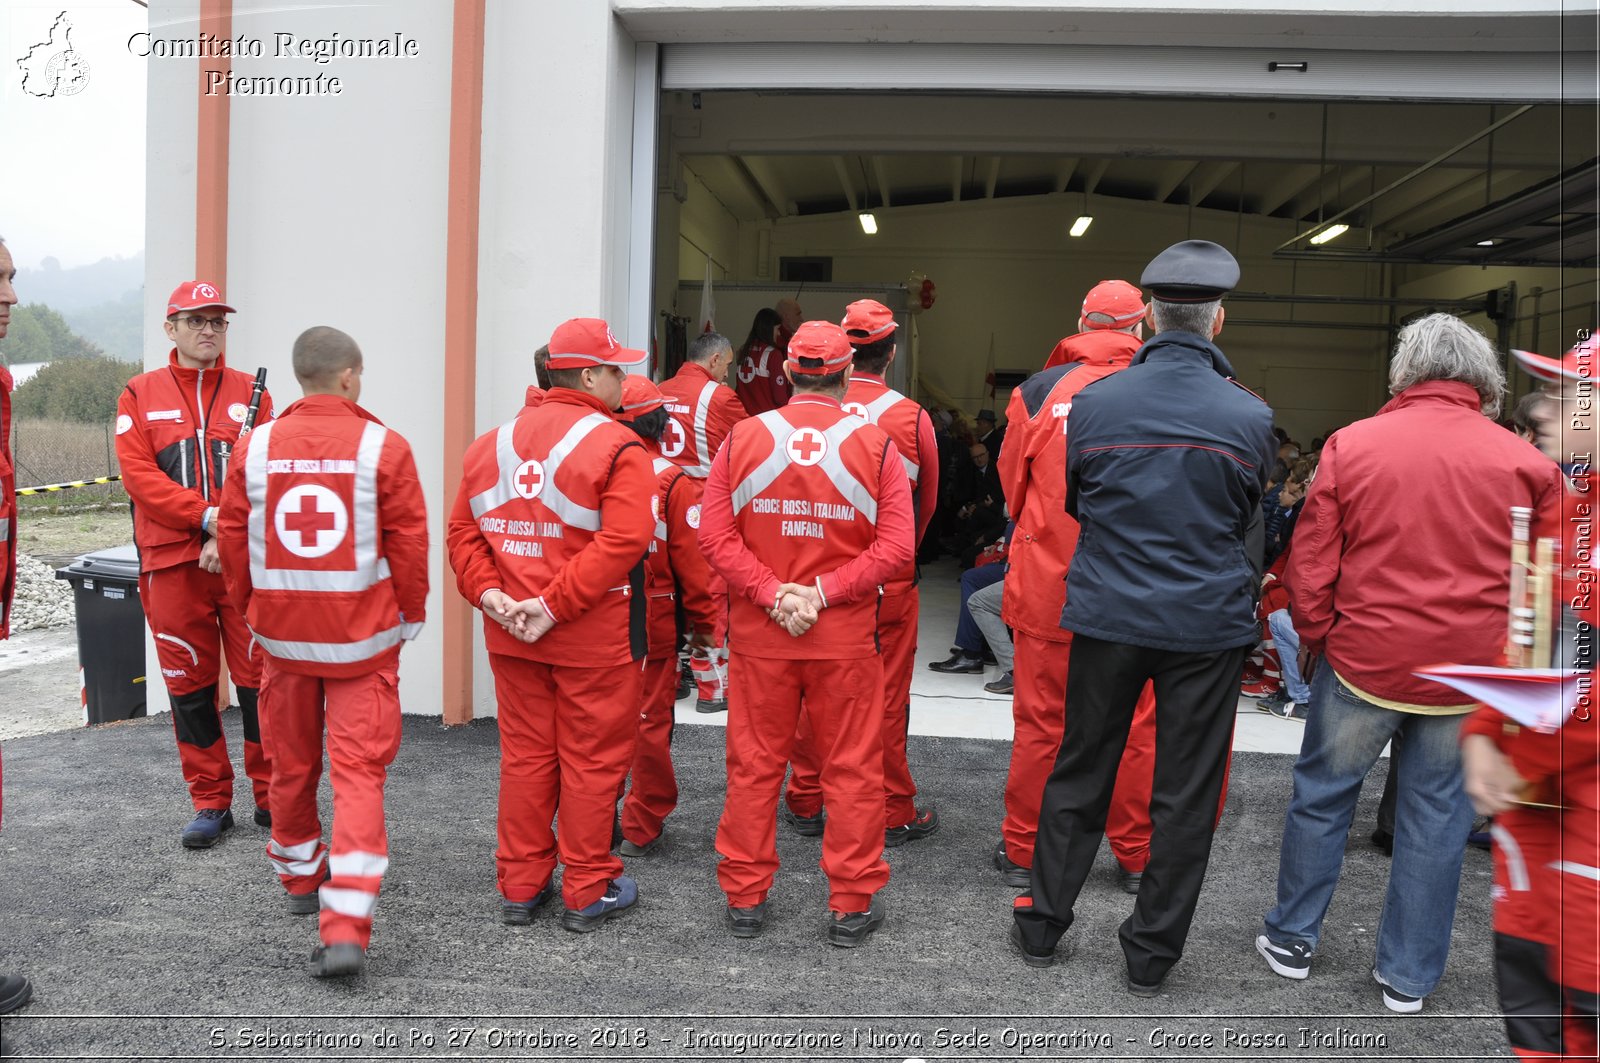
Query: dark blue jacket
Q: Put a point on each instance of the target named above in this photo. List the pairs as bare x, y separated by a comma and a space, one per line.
1166, 464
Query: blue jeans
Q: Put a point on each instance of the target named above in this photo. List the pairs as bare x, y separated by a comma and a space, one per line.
1288, 643
1344, 737
968, 636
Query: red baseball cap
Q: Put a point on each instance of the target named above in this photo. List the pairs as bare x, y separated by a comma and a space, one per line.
586, 342
868, 321
818, 348
639, 397
196, 295
1578, 364
1112, 304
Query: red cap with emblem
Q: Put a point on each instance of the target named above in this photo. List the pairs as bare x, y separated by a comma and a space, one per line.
196, 295
587, 342
639, 397
1112, 304
868, 321
818, 348
1577, 365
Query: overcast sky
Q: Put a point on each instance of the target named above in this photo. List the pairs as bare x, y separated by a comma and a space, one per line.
72, 167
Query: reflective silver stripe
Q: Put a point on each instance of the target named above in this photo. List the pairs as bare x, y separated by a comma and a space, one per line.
1516, 865
193, 657
702, 447
331, 652
5, 530
410, 631
357, 904
303, 859
831, 465
875, 410
660, 465
358, 864
369, 568
1581, 870
570, 513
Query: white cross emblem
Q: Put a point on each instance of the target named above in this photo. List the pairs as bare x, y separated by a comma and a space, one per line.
747, 371
807, 446
673, 439
529, 480
311, 520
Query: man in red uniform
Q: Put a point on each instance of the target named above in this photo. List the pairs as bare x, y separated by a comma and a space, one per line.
807, 511
548, 538
701, 406
1546, 901
675, 575
176, 428
15, 990
324, 539
871, 327
1033, 474
702, 410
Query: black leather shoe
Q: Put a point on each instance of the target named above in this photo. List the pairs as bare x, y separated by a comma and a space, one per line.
958, 664
809, 826
15, 991
1129, 881
1017, 876
1004, 685
1031, 957
628, 848
747, 922
1141, 989
926, 823
1383, 840
709, 705
343, 960
263, 817
848, 931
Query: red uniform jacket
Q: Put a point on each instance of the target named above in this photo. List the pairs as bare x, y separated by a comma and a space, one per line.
324, 539
702, 411
675, 569
555, 504
843, 523
762, 383
1399, 559
176, 429
911, 430
8, 509
1033, 475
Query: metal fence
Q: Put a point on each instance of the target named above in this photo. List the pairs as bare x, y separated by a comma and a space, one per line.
49, 451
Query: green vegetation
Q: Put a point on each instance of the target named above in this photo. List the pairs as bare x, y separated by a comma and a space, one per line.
39, 334
74, 389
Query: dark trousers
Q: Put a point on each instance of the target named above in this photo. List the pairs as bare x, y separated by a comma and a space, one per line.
1196, 701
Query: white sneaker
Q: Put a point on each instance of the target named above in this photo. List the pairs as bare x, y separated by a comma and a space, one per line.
1394, 1000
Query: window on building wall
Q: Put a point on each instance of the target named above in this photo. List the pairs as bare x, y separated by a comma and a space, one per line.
805, 270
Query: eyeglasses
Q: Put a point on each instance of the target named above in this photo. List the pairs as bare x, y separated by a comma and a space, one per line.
196, 323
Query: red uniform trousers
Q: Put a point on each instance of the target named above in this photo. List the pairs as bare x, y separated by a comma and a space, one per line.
1526, 842
193, 621
1038, 711
653, 785
897, 635
566, 740
843, 700
710, 667
361, 715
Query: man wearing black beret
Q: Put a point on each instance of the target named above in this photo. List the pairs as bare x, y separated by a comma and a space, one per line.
1166, 465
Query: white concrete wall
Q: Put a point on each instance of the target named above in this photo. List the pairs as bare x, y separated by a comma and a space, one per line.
554, 235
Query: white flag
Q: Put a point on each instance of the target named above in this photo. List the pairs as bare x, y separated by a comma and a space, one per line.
708, 303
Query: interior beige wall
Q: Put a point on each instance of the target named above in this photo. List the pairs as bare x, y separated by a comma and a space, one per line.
1009, 277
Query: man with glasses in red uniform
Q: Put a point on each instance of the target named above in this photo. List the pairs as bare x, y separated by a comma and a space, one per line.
176, 430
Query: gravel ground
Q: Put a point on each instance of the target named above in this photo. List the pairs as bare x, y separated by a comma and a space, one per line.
42, 601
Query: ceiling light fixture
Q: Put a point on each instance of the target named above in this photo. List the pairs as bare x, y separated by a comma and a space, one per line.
1080, 226
869, 224
1330, 233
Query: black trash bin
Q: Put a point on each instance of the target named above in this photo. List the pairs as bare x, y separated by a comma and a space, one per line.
105, 587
